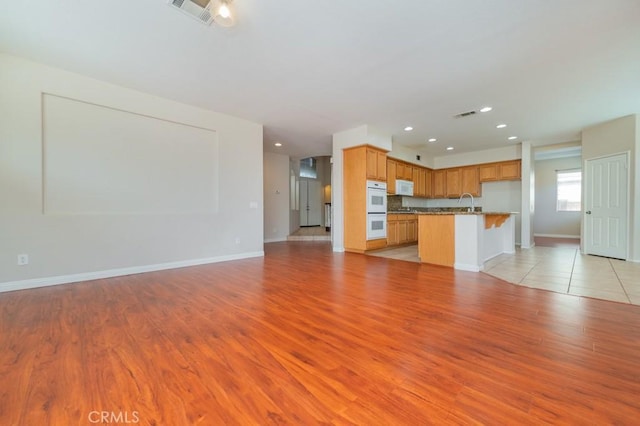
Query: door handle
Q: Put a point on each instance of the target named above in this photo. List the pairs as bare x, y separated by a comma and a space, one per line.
588, 212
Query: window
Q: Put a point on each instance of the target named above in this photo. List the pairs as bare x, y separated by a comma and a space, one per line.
569, 183
308, 168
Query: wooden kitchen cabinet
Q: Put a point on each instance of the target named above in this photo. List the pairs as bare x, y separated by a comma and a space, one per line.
504, 170
412, 230
376, 164
408, 172
393, 239
360, 163
401, 170
392, 166
422, 182
470, 181
428, 183
418, 177
453, 182
459, 180
438, 183
402, 229
510, 170
488, 172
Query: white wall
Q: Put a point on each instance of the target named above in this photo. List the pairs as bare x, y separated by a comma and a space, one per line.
613, 137
403, 153
504, 196
509, 152
67, 246
635, 197
548, 221
276, 197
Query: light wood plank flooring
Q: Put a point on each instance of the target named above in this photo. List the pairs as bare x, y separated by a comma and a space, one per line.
306, 336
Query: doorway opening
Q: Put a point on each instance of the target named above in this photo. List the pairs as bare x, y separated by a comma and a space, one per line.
558, 180
310, 215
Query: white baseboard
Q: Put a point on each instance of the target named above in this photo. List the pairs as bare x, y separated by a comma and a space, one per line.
556, 235
466, 267
275, 240
87, 276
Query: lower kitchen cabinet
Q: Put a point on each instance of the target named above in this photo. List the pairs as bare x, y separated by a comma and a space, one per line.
402, 229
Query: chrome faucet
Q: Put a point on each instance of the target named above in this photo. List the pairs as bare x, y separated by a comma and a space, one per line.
472, 208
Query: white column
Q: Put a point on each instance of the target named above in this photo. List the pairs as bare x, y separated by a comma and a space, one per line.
468, 242
528, 196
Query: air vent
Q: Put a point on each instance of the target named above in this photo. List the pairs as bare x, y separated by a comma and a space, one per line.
197, 9
464, 114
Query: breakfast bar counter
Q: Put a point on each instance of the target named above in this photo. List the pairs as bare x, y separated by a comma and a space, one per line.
464, 240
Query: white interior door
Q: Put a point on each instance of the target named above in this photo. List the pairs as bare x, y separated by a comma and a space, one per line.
315, 203
304, 195
605, 225
310, 203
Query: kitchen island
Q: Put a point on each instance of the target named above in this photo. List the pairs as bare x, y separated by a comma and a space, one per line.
464, 240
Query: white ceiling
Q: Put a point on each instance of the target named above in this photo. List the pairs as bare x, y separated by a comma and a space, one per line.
307, 69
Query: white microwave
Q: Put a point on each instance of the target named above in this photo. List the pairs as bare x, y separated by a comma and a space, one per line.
404, 187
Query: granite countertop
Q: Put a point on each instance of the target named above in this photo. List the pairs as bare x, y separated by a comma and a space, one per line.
462, 213
445, 211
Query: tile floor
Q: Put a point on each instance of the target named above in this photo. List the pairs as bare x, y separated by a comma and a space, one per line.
558, 269
408, 253
310, 233
566, 270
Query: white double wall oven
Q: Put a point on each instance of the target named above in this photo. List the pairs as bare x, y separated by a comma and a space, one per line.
376, 210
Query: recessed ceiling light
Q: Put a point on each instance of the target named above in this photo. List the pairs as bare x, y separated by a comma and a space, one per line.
501, 126
485, 109
512, 138
432, 140
449, 148
408, 129
277, 144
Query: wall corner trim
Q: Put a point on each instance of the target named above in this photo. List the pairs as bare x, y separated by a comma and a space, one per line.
109, 273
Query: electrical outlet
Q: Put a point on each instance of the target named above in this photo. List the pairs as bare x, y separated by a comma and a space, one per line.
237, 240
23, 259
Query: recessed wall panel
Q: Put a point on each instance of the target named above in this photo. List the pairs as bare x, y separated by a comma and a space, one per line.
100, 160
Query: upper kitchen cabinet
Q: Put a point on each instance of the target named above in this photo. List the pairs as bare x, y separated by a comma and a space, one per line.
376, 164
418, 185
505, 170
510, 170
404, 171
392, 166
428, 183
453, 182
438, 183
459, 180
470, 180
420, 182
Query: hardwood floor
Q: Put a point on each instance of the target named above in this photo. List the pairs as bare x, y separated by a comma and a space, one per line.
307, 336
